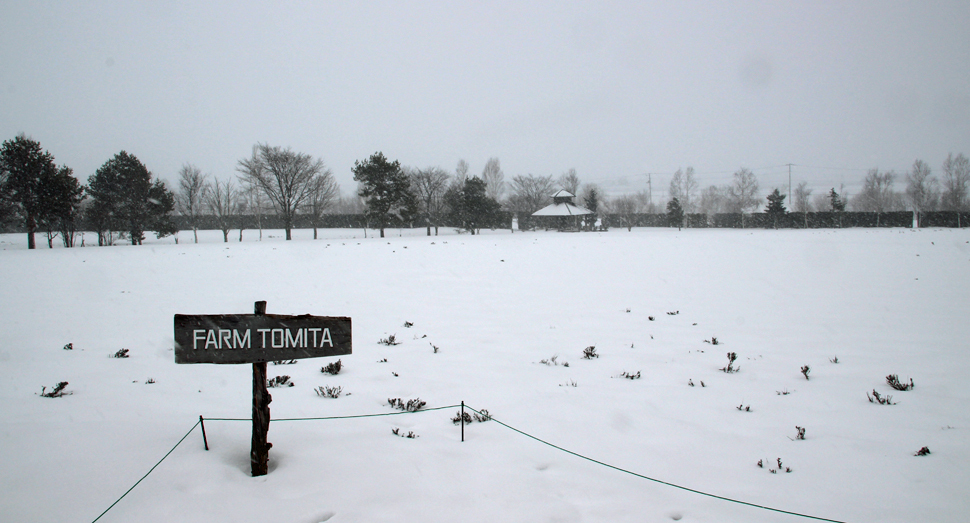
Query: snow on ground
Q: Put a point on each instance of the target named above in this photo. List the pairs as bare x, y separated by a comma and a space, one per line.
497, 304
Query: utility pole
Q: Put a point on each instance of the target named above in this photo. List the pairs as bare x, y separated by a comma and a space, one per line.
650, 189
789, 185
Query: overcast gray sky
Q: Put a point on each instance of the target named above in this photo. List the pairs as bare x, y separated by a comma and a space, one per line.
614, 90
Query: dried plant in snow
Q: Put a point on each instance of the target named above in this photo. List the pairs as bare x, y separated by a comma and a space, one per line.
390, 340
553, 361
56, 392
412, 405
329, 392
279, 381
893, 381
731, 356
332, 368
397, 432
880, 399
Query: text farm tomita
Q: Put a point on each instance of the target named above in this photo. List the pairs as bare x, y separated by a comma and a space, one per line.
247, 338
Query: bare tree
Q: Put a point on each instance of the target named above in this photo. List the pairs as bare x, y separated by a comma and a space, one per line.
689, 202
821, 202
801, 198
285, 176
190, 201
713, 200
644, 203
743, 192
877, 193
625, 207
530, 193
323, 191
429, 185
223, 201
570, 181
683, 187
922, 189
352, 204
676, 189
494, 179
254, 201
956, 183
461, 172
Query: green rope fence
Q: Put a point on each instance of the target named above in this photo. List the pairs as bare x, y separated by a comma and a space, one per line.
715, 496
491, 418
149, 471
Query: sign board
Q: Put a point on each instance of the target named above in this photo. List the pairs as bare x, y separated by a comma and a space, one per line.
251, 338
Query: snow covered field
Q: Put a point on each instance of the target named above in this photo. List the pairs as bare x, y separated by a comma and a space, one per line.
496, 305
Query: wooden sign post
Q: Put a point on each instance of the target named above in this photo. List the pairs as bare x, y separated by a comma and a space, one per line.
259, 450
258, 338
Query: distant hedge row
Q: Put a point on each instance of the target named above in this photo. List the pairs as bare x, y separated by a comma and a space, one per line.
302, 221
945, 219
794, 220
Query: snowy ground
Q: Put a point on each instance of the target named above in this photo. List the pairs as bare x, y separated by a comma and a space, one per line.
882, 301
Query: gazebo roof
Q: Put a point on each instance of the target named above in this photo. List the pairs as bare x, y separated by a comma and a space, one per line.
563, 193
561, 209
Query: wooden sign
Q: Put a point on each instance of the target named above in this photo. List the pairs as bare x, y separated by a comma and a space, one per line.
258, 338
252, 338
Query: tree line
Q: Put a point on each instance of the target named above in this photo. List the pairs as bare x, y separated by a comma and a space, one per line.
123, 200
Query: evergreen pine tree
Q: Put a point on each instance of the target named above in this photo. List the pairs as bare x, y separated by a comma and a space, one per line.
776, 206
42, 194
675, 213
126, 198
23, 168
469, 205
386, 189
592, 202
838, 203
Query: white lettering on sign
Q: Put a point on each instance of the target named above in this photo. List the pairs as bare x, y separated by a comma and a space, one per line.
278, 338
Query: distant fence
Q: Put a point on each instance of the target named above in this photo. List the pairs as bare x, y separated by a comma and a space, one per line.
325, 221
795, 220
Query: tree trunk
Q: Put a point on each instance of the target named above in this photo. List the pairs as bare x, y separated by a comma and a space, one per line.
429, 230
382, 232
31, 226
289, 236
225, 236
314, 232
195, 232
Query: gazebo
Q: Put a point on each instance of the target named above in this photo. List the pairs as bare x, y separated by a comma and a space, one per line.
562, 207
